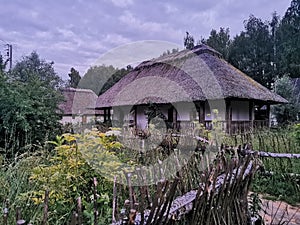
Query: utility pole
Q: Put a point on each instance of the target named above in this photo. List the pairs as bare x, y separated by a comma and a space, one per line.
9, 55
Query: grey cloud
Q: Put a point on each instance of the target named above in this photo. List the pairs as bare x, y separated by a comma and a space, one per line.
76, 33
122, 3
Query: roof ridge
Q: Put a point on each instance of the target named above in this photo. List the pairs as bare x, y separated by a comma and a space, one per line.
183, 54
70, 89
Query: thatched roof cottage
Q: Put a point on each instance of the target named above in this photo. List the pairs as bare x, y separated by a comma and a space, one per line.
187, 86
78, 106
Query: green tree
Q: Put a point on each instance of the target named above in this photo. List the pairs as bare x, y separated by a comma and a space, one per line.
32, 68
251, 51
2, 65
96, 77
101, 78
274, 24
120, 73
220, 41
29, 99
168, 52
288, 112
188, 41
288, 38
74, 78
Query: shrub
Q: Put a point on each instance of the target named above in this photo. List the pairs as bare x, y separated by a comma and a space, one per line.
67, 173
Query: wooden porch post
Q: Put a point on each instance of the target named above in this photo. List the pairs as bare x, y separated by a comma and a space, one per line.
108, 115
228, 116
174, 114
135, 116
105, 115
251, 114
268, 115
201, 112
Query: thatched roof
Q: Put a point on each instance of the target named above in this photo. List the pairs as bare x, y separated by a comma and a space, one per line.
190, 75
78, 102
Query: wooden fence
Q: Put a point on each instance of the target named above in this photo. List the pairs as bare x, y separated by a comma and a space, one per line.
220, 196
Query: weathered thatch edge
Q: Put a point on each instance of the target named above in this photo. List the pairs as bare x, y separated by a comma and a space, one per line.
189, 70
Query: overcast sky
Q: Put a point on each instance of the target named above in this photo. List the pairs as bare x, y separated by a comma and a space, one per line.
75, 33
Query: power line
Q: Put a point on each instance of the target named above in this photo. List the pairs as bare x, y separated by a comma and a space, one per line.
3, 41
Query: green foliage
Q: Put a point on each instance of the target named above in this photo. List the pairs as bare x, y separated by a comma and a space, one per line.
105, 212
220, 41
188, 41
115, 78
265, 49
168, 52
14, 181
74, 78
288, 41
101, 78
286, 113
283, 187
296, 133
2, 65
98, 149
67, 172
62, 175
29, 103
32, 69
96, 77
279, 176
252, 51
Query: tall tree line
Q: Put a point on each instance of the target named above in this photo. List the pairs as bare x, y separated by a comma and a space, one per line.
267, 51
264, 50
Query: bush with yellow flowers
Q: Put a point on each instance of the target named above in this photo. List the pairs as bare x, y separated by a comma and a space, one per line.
68, 173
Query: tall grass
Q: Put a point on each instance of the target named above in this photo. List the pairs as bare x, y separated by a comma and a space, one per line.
279, 178
14, 182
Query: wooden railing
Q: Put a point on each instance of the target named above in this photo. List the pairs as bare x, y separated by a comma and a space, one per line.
232, 127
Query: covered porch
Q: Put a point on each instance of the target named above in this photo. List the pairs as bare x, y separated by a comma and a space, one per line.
231, 115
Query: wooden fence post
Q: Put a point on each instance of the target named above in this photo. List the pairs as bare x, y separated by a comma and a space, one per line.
5, 212
74, 219
18, 213
19, 221
131, 192
46, 202
79, 210
95, 202
114, 200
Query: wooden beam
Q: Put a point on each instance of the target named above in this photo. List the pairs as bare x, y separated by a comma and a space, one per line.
269, 115
201, 112
135, 116
108, 114
228, 115
174, 117
251, 114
